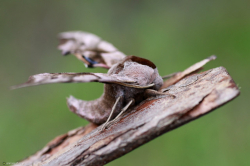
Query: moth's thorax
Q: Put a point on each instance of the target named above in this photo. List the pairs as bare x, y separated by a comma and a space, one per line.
142, 73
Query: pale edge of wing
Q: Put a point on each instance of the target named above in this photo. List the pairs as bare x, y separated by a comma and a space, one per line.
48, 78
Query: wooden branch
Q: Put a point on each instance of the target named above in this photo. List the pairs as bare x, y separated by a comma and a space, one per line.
148, 120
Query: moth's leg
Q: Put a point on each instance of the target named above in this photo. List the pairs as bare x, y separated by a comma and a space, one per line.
153, 93
170, 75
112, 112
168, 88
107, 125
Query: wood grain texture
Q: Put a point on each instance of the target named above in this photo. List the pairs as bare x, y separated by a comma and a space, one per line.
144, 122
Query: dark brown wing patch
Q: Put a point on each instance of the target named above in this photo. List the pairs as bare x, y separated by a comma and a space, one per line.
141, 61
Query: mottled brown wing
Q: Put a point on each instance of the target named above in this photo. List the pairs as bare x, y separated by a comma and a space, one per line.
48, 78
90, 49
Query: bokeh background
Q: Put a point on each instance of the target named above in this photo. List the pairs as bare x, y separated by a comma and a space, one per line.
173, 34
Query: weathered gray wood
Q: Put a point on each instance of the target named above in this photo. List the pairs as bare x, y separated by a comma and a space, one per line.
148, 120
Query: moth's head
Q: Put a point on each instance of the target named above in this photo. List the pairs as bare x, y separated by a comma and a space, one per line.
142, 70
90, 49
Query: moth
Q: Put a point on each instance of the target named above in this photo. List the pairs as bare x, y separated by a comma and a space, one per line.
129, 80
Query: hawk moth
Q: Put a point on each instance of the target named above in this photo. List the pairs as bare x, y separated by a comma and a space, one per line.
130, 79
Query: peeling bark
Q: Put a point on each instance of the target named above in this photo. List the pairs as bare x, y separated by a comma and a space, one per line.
142, 123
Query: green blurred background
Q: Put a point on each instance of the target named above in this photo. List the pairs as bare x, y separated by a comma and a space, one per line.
172, 34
